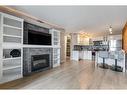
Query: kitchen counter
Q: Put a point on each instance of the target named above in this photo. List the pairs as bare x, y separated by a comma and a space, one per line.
76, 55
91, 47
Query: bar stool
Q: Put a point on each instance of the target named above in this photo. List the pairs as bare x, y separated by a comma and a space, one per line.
118, 56
104, 55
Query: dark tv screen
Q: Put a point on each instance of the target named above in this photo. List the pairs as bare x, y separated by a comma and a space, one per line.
38, 38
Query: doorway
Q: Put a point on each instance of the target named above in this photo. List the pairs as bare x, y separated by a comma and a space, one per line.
68, 44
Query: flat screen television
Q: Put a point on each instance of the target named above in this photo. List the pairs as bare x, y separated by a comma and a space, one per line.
38, 38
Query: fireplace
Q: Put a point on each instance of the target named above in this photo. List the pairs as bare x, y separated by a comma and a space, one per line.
39, 62
33, 57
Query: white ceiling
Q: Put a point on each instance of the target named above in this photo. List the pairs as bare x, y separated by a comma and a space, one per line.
90, 19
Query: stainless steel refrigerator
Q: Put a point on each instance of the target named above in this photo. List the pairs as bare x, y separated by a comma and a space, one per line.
115, 45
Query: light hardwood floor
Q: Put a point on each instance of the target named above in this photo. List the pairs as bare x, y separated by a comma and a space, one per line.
72, 75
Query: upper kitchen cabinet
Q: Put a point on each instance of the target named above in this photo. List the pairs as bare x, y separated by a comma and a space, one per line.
97, 38
115, 37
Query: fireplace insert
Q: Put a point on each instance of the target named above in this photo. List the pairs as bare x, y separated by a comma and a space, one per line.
39, 62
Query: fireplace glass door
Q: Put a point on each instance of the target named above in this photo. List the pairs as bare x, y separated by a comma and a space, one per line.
39, 62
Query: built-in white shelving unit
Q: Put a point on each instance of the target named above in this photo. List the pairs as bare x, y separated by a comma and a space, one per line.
56, 57
56, 47
11, 37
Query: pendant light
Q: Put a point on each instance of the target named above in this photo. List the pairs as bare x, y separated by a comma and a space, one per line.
110, 29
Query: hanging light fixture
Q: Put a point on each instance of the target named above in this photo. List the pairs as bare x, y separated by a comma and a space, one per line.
110, 29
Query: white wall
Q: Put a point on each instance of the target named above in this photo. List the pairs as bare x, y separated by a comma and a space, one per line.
63, 47
74, 41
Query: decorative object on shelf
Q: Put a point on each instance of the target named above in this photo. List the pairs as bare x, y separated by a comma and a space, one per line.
15, 53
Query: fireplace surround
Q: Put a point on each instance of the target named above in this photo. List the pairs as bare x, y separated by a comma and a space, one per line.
36, 57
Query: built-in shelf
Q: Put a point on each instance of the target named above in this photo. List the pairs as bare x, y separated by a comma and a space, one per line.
12, 58
11, 74
56, 58
11, 67
11, 36
56, 47
56, 41
12, 45
10, 39
12, 77
37, 46
4, 25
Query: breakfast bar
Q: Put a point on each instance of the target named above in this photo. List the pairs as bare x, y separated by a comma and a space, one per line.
102, 55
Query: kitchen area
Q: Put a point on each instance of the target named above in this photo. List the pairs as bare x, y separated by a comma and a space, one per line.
105, 51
